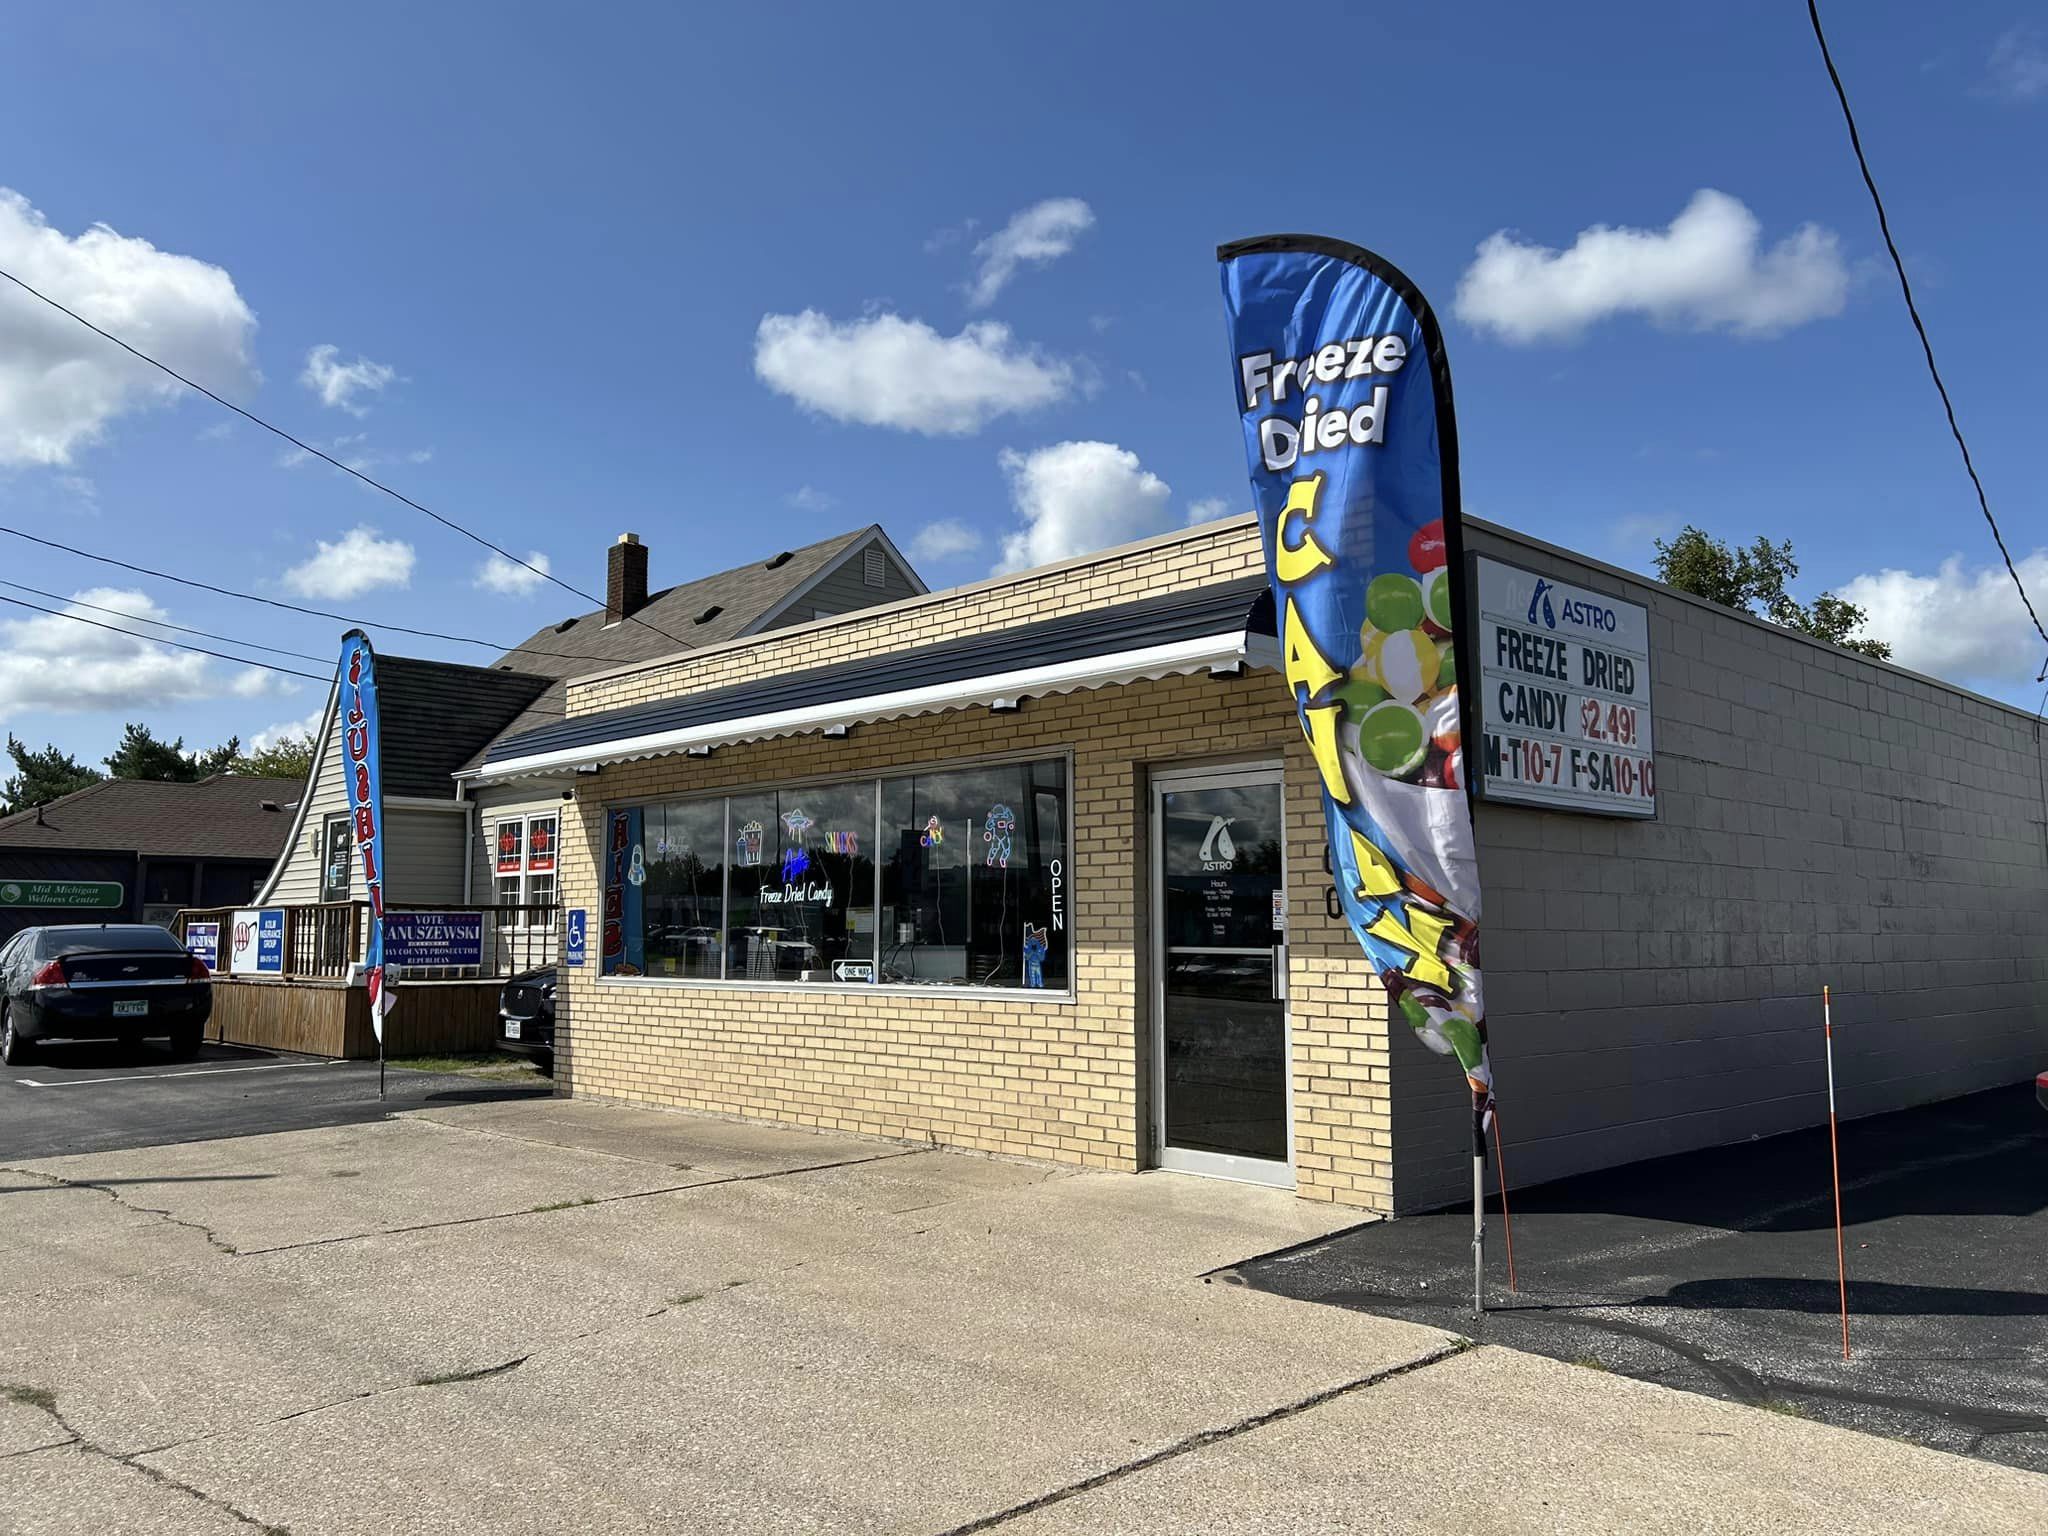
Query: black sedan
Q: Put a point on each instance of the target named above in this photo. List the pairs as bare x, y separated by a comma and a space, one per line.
526, 1017
123, 981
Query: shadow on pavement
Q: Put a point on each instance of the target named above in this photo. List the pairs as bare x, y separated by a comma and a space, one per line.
1714, 1271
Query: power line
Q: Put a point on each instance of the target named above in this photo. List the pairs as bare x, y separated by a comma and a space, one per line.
317, 613
183, 629
373, 483
244, 661
79, 618
1926, 346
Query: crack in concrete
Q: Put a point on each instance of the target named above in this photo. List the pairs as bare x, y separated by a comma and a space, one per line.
1203, 1438
56, 1181
46, 1402
577, 1205
219, 1244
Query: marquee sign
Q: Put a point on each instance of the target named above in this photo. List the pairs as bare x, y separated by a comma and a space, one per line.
1564, 695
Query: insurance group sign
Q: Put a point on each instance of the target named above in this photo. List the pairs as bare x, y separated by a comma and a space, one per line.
1564, 696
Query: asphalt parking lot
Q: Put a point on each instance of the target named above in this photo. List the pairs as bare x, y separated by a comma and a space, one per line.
100, 1096
1715, 1272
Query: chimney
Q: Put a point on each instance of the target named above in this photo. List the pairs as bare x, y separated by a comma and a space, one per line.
625, 580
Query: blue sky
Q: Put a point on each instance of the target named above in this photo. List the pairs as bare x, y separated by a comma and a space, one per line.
738, 286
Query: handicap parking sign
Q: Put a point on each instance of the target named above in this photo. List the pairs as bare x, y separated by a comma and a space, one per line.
572, 944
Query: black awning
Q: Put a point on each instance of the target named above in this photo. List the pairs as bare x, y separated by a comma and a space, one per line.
1155, 636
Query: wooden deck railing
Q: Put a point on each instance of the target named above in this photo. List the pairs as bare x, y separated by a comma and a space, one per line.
328, 939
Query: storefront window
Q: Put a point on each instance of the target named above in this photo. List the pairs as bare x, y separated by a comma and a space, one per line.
803, 885
974, 889
782, 885
685, 890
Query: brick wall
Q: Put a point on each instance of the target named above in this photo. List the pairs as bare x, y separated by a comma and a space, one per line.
1063, 1080
1655, 986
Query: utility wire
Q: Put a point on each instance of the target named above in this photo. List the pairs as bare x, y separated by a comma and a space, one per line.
136, 618
79, 618
245, 661
318, 613
1926, 346
374, 484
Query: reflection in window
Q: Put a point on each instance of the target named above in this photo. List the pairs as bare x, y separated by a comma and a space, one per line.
782, 885
974, 889
685, 890
803, 885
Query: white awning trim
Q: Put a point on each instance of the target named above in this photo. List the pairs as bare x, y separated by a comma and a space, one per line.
1178, 659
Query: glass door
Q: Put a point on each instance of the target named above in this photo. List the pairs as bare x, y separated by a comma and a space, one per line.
1220, 1094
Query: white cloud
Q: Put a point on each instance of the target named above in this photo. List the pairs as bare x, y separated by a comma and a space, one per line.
338, 383
497, 574
885, 371
1639, 531
60, 385
946, 539
1706, 271
57, 664
951, 235
808, 498
1042, 233
271, 735
1076, 497
1964, 624
420, 456
358, 562
1209, 509
2018, 67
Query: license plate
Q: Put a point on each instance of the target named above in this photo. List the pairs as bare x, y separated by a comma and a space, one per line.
512, 1029
131, 1010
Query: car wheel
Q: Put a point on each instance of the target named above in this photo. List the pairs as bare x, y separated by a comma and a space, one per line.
546, 1062
13, 1044
185, 1042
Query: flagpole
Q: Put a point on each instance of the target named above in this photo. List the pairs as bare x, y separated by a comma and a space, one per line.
1827, 1014
1478, 1215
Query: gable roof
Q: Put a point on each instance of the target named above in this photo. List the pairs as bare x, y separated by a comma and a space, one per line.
436, 715
707, 611
221, 817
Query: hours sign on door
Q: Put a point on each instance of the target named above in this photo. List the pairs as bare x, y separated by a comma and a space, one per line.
1564, 696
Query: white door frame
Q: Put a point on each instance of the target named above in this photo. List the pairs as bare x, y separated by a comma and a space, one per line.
1215, 1165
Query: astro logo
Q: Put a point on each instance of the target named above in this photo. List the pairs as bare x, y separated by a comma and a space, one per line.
1219, 849
1542, 596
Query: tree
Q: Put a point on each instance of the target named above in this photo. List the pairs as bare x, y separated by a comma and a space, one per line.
1753, 581
40, 777
142, 756
289, 757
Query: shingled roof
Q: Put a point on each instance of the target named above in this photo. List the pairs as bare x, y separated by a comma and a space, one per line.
437, 715
698, 613
226, 816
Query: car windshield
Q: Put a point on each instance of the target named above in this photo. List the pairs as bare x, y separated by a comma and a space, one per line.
125, 938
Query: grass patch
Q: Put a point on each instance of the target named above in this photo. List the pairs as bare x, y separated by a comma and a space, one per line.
1790, 1410
563, 1205
1591, 1363
30, 1397
496, 1065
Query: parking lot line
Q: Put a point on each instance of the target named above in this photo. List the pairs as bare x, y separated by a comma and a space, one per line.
143, 1077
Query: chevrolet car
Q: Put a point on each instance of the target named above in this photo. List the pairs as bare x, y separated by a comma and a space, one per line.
123, 981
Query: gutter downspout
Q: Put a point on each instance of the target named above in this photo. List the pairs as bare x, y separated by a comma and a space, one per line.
468, 842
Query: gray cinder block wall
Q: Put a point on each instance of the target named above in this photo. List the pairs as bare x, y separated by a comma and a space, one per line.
1655, 986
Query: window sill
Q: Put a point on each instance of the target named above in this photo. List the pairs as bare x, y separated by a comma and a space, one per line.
853, 990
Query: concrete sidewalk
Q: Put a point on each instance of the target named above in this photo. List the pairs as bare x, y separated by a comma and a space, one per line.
551, 1316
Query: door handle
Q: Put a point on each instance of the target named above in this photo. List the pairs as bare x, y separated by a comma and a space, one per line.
1279, 973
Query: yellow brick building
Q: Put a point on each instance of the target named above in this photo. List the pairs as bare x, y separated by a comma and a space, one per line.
1074, 1071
